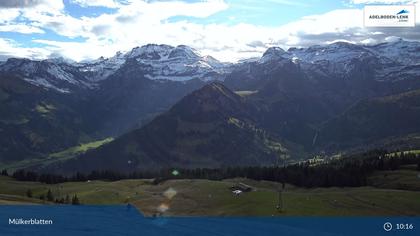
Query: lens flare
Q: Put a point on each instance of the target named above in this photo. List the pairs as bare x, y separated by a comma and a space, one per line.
170, 193
163, 207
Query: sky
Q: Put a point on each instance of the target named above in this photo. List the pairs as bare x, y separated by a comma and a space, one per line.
228, 30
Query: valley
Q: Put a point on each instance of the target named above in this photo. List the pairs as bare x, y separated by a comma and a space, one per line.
156, 108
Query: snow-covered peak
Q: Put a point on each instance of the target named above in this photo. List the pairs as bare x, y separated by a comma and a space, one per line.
214, 62
274, 51
184, 63
183, 51
338, 52
400, 51
47, 73
386, 61
150, 52
20, 65
159, 62
176, 63
101, 68
272, 54
153, 52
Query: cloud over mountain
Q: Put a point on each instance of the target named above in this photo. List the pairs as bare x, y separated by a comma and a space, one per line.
88, 29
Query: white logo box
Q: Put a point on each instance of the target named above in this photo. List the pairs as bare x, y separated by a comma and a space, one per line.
389, 16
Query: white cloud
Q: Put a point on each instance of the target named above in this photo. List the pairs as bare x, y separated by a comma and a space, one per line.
19, 4
138, 22
135, 24
80, 51
21, 28
109, 34
30, 16
333, 21
45, 5
98, 3
7, 15
23, 16
9, 48
157, 11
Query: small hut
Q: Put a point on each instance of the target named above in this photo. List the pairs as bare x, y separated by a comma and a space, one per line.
242, 187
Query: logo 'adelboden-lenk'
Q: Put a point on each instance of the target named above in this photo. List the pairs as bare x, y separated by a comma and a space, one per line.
389, 16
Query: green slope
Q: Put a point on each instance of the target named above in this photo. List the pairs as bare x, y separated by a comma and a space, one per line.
392, 120
35, 121
69, 153
214, 198
211, 127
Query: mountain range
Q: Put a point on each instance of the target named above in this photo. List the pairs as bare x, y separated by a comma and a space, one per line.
171, 107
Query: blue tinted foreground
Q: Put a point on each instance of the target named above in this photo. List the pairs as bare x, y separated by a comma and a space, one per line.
126, 220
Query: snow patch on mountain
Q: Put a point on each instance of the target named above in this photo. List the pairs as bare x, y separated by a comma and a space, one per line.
51, 74
101, 68
341, 59
40, 82
166, 62
272, 54
178, 63
59, 73
400, 51
387, 61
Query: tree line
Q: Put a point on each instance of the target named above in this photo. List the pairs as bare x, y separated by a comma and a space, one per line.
352, 171
49, 196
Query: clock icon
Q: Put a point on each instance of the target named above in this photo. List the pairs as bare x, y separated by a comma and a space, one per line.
387, 226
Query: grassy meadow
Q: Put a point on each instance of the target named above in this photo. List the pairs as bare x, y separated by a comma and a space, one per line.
392, 193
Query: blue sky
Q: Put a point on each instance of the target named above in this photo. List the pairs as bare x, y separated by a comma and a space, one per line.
226, 29
267, 13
